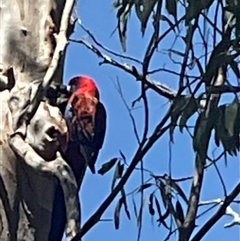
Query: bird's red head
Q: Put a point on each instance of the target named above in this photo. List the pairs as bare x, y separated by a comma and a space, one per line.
84, 84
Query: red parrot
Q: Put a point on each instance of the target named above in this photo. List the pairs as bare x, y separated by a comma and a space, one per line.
86, 119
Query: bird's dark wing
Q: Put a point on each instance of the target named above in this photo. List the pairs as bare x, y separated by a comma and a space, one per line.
87, 126
89, 147
99, 132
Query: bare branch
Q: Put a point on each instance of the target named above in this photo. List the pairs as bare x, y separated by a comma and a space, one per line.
160, 88
154, 41
229, 211
140, 153
235, 215
129, 111
103, 47
221, 211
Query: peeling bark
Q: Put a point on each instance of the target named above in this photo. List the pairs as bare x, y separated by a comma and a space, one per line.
27, 181
27, 45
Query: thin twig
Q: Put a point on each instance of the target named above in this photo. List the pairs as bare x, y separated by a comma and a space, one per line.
140, 153
160, 88
104, 48
220, 212
129, 111
220, 178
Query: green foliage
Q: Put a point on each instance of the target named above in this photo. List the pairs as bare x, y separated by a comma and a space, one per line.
225, 120
155, 205
121, 202
143, 10
171, 6
194, 9
178, 189
144, 186
182, 108
150, 205
117, 173
202, 132
107, 166
179, 212
123, 14
117, 213
169, 189
203, 79
232, 16
227, 127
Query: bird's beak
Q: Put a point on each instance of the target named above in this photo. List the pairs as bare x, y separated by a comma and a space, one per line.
69, 88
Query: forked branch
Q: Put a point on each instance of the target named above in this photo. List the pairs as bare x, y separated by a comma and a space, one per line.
61, 39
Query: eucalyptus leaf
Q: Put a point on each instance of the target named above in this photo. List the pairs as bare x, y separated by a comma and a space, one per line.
227, 128
143, 10
117, 213
122, 155
140, 214
124, 199
117, 173
219, 127
144, 186
123, 15
177, 107
107, 166
237, 15
217, 59
190, 109
171, 6
194, 9
178, 189
230, 116
202, 134
221, 134
158, 207
134, 206
163, 193
150, 206
237, 122
179, 212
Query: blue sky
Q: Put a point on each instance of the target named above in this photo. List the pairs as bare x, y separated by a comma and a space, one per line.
99, 18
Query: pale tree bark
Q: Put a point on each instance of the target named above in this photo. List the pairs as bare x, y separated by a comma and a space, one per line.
32, 48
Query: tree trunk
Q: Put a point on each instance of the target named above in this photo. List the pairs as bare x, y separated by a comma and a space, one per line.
26, 200
27, 44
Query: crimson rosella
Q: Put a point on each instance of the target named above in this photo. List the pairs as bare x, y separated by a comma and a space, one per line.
86, 119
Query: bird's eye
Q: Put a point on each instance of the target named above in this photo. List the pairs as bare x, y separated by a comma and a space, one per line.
73, 88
